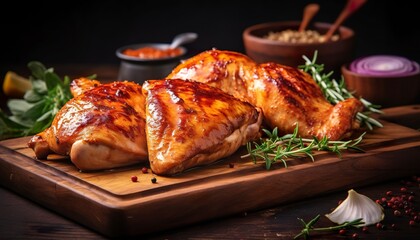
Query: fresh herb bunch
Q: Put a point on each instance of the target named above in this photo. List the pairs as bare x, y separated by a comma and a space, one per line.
275, 148
40, 104
308, 227
335, 91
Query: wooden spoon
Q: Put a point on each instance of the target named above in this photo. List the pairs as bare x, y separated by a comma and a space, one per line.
351, 7
308, 13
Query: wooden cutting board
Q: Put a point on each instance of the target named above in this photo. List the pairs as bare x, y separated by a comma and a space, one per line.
110, 203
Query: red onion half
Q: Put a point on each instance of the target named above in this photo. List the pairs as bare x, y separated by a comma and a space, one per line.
385, 66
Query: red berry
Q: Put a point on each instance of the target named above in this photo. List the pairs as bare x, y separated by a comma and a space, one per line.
355, 236
397, 213
379, 225
412, 223
144, 170
365, 229
134, 179
342, 231
403, 189
389, 193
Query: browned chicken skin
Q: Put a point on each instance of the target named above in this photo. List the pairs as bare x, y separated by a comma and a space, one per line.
191, 124
286, 95
209, 106
102, 127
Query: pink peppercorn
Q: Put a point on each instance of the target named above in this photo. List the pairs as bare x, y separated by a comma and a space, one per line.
134, 179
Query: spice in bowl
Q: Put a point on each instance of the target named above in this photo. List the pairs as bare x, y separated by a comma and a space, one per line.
295, 36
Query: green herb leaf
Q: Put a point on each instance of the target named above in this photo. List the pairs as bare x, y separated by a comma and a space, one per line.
309, 227
39, 86
9, 128
275, 148
335, 91
52, 80
18, 106
37, 69
36, 111
32, 96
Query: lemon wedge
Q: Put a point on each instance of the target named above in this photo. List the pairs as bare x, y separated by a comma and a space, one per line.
14, 85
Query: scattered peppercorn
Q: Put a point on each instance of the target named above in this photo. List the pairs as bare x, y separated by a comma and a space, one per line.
144, 170
154, 180
393, 226
134, 178
398, 203
397, 213
365, 229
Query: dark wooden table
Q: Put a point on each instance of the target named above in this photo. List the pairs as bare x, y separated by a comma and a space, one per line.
20, 218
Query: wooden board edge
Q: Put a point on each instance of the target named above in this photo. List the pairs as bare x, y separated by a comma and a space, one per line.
129, 217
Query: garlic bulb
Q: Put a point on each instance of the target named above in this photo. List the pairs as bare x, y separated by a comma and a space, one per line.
357, 206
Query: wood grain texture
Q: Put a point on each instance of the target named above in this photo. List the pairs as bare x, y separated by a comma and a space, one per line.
110, 203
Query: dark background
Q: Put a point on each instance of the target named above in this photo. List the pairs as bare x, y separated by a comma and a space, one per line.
89, 32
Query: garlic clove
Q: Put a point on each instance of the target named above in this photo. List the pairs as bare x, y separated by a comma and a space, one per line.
357, 206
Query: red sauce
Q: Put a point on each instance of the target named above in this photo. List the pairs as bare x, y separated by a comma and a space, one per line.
152, 52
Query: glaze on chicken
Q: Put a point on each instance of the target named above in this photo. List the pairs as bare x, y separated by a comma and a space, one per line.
286, 95
102, 127
191, 124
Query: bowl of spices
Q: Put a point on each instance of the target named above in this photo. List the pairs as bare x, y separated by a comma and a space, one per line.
144, 61
283, 42
386, 80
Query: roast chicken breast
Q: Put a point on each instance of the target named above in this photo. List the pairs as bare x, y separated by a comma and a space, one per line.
192, 124
286, 95
102, 127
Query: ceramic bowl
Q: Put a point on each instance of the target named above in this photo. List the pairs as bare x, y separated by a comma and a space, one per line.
333, 54
141, 69
384, 91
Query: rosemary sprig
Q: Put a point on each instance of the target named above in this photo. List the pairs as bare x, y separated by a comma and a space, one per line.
308, 227
275, 148
335, 91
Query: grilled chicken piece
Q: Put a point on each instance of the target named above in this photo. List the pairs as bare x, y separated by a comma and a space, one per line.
102, 127
191, 124
81, 85
286, 95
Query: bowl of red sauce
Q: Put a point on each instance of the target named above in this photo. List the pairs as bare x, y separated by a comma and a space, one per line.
146, 61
